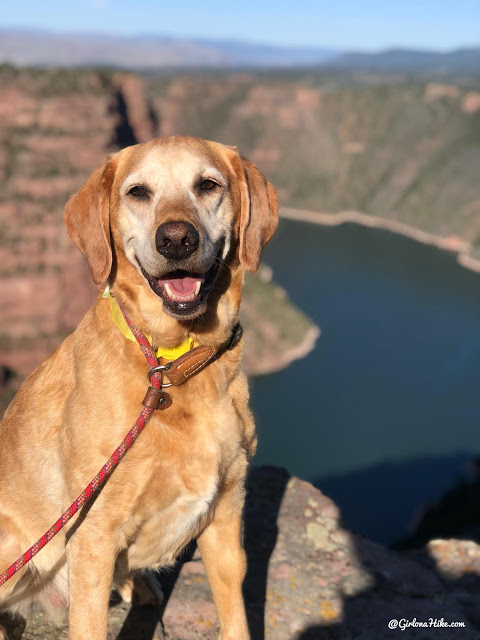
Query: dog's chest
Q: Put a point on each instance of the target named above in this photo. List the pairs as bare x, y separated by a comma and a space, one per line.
184, 471
164, 533
174, 509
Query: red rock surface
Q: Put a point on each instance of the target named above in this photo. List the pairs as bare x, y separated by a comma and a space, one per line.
55, 128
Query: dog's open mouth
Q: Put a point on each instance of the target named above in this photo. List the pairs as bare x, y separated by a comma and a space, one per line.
183, 293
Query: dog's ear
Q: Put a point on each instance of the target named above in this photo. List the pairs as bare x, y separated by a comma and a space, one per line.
87, 218
258, 212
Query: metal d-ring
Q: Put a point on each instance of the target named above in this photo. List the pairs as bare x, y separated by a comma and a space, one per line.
160, 368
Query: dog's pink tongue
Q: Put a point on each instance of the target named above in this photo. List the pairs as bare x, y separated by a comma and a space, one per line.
182, 286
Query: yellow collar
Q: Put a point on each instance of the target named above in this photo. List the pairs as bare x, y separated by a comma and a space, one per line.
161, 352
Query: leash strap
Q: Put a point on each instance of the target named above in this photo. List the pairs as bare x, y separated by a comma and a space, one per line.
105, 471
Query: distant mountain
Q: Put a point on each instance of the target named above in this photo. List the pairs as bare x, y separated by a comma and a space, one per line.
149, 52
43, 48
465, 60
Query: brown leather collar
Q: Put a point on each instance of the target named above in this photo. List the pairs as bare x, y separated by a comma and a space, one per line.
183, 368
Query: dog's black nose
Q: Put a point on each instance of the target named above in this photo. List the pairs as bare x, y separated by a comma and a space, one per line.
176, 240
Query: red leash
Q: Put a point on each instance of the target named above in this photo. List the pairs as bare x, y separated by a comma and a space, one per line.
105, 471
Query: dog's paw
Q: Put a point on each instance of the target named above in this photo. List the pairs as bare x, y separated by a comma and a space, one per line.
142, 589
3, 633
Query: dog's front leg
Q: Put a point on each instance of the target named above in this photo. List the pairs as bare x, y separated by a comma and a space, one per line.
225, 563
91, 555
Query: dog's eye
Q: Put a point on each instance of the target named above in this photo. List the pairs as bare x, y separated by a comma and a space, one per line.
138, 191
208, 185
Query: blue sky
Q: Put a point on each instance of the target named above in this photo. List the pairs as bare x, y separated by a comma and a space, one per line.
343, 24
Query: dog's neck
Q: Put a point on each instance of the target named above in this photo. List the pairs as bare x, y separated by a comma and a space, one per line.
160, 351
145, 309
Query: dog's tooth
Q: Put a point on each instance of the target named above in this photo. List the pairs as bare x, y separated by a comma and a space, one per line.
197, 288
176, 297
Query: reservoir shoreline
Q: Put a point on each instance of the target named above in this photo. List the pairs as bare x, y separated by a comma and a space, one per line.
452, 244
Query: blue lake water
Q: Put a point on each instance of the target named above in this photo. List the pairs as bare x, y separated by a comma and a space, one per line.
385, 413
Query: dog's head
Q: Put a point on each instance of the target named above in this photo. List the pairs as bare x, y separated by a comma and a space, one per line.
173, 212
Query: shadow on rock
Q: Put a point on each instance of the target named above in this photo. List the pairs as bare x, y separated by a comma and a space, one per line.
265, 489
416, 595
145, 622
13, 625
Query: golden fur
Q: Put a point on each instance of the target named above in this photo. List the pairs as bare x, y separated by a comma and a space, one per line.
184, 477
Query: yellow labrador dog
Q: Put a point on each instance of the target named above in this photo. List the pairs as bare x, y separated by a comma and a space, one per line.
170, 226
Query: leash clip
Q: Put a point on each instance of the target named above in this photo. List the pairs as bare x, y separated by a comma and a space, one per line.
160, 368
